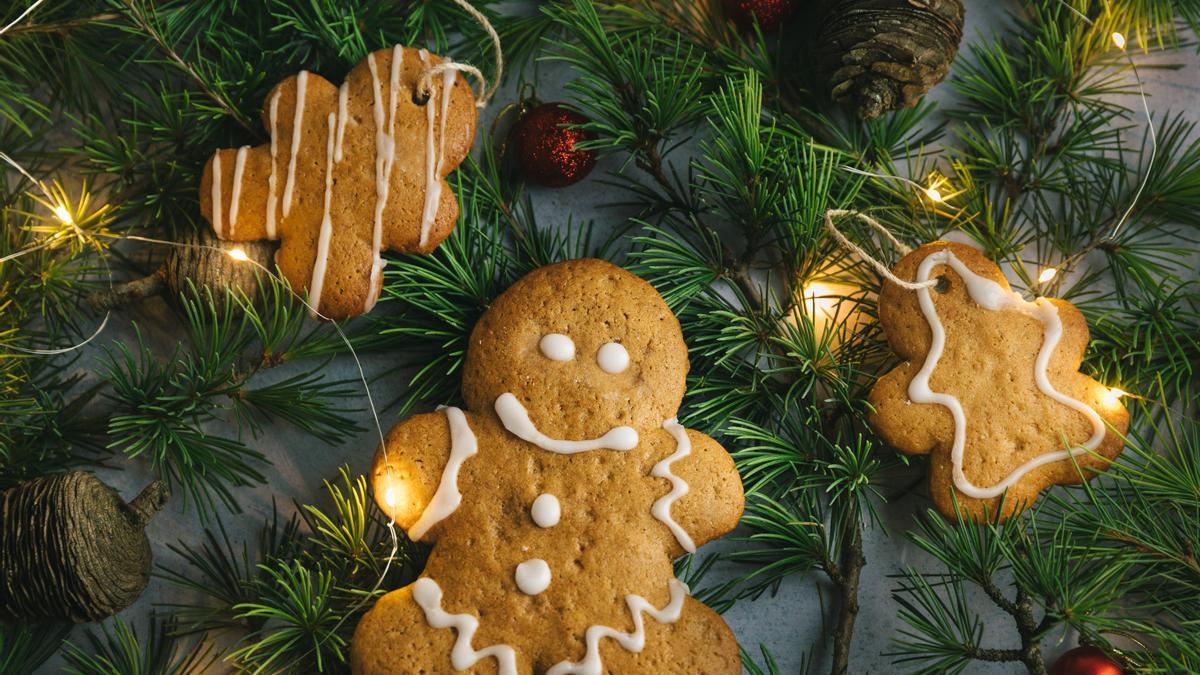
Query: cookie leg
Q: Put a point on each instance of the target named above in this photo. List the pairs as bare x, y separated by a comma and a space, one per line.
395, 639
700, 642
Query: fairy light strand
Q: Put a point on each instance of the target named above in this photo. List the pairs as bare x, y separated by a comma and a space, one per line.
238, 254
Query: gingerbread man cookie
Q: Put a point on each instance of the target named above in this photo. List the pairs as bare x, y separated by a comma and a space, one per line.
990, 385
557, 500
349, 171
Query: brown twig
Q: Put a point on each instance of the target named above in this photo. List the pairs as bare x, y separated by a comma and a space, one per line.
845, 575
61, 26
144, 24
121, 295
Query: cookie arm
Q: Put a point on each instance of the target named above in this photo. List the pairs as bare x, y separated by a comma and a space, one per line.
714, 501
409, 466
233, 192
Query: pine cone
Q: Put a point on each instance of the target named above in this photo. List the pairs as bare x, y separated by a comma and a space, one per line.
71, 549
204, 261
881, 55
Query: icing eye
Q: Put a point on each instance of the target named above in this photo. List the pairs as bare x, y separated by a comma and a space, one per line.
613, 358
557, 347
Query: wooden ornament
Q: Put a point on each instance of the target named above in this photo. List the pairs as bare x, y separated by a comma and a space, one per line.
71, 549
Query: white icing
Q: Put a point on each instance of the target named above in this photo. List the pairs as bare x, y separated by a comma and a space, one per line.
613, 358
433, 164
326, 233
385, 157
343, 100
515, 418
239, 166
297, 129
533, 576
463, 445
992, 296
215, 194
272, 200
679, 487
546, 511
428, 596
557, 347
631, 642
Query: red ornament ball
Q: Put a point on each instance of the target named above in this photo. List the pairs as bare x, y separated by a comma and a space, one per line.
770, 13
1085, 661
544, 148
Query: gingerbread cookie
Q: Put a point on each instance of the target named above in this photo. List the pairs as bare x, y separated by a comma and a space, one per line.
349, 171
557, 500
990, 385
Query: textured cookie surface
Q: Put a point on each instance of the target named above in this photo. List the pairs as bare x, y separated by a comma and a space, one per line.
1009, 367
349, 171
622, 514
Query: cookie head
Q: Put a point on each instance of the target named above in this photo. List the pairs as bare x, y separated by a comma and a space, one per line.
584, 346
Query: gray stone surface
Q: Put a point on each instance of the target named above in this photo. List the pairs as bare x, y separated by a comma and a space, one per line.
789, 622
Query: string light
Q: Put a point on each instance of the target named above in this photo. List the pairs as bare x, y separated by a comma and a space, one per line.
1118, 39
932, 191
63, 214
1113, 396
389, 497
1047, 275
238, 254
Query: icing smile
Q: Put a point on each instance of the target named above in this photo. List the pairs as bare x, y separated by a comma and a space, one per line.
515, 418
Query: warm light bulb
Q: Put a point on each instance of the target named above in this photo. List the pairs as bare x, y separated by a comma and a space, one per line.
1118, 40
934, 194
63, 214
1047, 274
1113, 396
238, 254
389, 497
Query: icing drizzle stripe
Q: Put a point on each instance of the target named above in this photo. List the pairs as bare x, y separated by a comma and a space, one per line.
433, 163
990, 295
215, 194
297, 128
272, 199
679, 487
631, 642
318, 274
515, 418
428, 596
343, 96
446, 499
239, 166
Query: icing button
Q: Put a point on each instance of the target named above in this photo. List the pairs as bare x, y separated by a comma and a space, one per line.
546, 510
557, 347
613, 358
533, 576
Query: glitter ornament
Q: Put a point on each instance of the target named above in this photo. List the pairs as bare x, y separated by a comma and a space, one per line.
544, 147
770, 13
1085, 661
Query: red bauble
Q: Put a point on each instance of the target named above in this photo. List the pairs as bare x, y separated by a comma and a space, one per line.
1085, 661
544, 149
770, 13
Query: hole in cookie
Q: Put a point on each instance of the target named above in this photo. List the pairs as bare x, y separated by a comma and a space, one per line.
943, 284
421, 97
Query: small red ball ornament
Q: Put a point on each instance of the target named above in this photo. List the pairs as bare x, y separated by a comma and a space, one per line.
1085, 661
770, 13
544, 147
